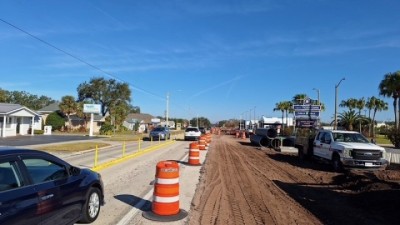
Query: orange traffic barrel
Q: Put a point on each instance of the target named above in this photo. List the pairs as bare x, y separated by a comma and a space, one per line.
165, 205
237, 134
243, 135
202, 143
194, 154
208, 137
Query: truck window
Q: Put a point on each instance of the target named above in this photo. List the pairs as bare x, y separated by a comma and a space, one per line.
327, 138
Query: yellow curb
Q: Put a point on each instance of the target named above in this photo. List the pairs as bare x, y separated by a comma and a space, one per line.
130, 156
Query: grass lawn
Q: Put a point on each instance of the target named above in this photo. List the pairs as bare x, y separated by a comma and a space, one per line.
73, 147
381, 139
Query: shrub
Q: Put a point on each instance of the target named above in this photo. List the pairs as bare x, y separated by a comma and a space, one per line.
393, 135
55, 120
38, 131
106, 129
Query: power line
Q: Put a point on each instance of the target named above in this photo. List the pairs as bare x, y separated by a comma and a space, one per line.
77, 58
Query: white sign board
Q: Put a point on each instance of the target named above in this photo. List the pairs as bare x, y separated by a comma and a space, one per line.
92, 108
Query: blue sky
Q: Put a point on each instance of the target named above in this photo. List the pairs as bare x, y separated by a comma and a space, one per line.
217, 59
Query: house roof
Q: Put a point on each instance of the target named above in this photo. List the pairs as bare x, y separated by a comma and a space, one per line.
146, 118
50, 108
8, 108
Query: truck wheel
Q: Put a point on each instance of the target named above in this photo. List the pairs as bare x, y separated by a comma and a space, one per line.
300, 153
337, 164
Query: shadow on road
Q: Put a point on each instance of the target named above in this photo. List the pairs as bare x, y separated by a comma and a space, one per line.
133, 201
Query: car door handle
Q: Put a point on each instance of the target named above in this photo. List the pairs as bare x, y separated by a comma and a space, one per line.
44, 198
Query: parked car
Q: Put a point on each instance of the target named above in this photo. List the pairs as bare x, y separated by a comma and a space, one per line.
39, 188
202, 130
192, 133
162, 133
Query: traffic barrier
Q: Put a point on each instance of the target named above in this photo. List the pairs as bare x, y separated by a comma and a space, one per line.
237, 134
165, 205
243, 135
208, 137
202, 143
194, 154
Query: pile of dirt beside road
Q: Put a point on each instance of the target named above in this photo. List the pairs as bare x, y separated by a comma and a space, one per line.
243, 184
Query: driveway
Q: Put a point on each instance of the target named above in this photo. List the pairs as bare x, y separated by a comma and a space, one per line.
42, 139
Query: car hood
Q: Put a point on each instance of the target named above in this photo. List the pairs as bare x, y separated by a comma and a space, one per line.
357, 145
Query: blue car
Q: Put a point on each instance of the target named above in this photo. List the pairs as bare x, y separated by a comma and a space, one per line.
39, 188
161, 133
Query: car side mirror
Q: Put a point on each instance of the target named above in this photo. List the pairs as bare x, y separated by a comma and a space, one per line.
75, 171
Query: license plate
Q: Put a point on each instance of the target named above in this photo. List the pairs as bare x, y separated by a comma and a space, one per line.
369, 164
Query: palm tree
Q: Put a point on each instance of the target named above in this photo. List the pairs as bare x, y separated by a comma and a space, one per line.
68, 106
370, 104
350, 103
299, 99
390, 87
380, 105
288, 107
280, 106
349, 118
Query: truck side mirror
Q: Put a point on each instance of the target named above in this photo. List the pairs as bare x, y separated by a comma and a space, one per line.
373, 141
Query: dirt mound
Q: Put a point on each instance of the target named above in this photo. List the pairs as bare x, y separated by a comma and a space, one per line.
244, 184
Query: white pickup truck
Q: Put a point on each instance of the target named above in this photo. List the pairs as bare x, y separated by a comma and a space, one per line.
342, 149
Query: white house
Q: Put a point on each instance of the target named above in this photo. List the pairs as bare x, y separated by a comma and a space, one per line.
17, 120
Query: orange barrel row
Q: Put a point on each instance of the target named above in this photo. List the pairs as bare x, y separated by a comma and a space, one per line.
166, 189
202, 143
194, 154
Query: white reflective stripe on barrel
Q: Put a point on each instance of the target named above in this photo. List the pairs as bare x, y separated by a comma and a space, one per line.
165, 199
194, 150
167, 181
191, 157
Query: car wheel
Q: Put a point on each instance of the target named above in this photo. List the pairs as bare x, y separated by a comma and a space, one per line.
91, 209
337, 164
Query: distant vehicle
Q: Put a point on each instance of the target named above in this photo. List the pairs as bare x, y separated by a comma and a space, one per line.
192, 133
203, 130
39, 188
162, 133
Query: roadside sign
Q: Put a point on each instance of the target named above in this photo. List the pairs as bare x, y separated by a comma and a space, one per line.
305, 123
306, 113
92, 108
307, 107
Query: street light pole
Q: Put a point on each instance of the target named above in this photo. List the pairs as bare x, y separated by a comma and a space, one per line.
317, 95
336, 96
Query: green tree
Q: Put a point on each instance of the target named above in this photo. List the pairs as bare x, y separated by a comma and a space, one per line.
281, 106
108, 93
26, 99
380, 105
202, 122
68, 106
3, 95
390, 87
55, 120
350, 103
349, 119
299, 99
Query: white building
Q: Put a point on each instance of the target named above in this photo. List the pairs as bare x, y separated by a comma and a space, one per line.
18, 120
276, 120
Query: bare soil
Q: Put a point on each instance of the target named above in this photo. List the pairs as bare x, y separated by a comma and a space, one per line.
245, 184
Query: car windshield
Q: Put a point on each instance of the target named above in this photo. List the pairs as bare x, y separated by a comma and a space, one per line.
350, 137
159, 129
192, 129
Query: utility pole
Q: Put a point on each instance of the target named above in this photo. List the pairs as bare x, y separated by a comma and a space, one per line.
167, 112
336, 96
